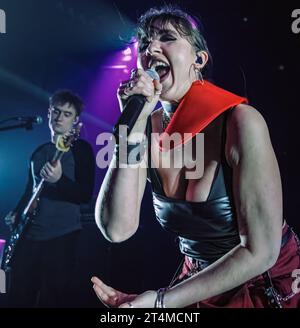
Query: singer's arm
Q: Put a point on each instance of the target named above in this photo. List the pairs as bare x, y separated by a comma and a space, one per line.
118, 204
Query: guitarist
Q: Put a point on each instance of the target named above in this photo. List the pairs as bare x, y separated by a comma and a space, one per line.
44, 259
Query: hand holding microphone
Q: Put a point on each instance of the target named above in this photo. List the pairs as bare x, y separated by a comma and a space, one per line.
138, 95
144, 83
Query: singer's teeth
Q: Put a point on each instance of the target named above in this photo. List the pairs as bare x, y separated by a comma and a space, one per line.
157, 63
160, 67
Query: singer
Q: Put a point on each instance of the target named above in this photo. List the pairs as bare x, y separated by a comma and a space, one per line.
45, 255
238, 249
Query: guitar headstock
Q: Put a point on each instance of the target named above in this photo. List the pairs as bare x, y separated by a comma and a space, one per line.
63, 143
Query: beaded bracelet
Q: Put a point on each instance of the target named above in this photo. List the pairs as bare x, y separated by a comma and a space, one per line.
159, 302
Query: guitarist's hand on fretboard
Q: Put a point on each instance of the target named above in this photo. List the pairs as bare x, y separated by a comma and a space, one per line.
51, 173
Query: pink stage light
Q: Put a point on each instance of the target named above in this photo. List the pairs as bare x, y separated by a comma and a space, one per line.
127, 58
127, 51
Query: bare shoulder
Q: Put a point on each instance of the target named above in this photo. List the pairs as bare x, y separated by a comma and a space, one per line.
246, 128
245, 117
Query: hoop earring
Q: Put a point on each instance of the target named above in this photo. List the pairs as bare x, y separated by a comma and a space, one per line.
199, 74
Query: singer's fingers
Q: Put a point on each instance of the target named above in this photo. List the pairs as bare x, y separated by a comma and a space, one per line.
125, 82
140, 88
109, 295
135, 80
133, 72
141, 73
110, 291
140, 83
157, 86
145, 78
125, 88
122, 91
143, 86
157, 91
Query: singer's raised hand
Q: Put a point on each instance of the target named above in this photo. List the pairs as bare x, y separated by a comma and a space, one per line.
140, 83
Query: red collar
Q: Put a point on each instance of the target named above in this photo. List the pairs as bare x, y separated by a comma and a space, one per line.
199, 107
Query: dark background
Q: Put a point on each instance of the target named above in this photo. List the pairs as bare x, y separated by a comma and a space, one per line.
65, 44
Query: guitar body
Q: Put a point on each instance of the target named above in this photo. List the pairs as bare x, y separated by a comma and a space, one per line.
63, 145
11, 244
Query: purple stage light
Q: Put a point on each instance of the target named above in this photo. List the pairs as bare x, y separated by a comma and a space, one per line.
127, 51
102, 100
127, 58
114, 66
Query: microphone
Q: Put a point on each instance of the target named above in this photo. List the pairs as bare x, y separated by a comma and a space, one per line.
132, 109
30, 119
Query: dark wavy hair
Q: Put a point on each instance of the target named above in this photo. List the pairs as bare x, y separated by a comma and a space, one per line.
62, 97
186, 25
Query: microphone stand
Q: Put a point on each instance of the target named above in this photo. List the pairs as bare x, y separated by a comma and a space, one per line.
27, 125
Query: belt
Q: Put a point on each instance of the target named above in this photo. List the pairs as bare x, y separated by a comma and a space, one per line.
201, 264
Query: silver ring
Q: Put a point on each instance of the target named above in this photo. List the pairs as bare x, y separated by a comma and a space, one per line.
157, 93
133, 73
130, 304
129, 85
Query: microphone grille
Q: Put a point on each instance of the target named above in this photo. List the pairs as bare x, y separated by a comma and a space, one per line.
153, 74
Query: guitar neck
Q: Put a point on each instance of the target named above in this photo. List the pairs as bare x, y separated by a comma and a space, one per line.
57, 156
38, 189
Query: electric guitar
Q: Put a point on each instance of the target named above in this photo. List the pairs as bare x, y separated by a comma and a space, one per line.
63, 145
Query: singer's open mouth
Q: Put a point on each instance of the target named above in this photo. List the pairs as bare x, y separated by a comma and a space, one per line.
162, 71
160, 67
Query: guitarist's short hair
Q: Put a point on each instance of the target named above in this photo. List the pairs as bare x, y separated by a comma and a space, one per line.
62, 97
